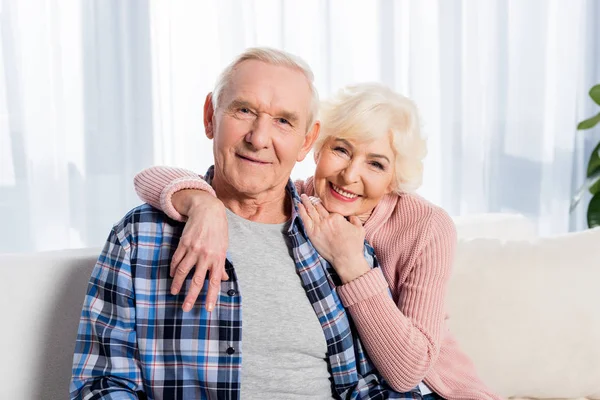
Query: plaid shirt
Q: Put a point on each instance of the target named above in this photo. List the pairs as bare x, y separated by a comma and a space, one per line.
135, 342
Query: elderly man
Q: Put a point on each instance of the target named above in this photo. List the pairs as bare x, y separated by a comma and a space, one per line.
261, 338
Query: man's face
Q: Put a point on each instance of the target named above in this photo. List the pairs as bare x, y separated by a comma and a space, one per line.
260, 128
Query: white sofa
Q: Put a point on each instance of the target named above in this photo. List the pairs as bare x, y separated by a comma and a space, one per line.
526, 310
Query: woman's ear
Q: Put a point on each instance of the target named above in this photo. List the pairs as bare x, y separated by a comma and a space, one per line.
317, 154
393, 186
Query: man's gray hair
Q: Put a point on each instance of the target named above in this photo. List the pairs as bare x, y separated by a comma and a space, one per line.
273, 57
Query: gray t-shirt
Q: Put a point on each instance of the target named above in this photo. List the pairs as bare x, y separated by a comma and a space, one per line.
283, 345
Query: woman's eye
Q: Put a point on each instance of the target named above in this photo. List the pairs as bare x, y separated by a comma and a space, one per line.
244, 110
283, 121
378, 165
340, 150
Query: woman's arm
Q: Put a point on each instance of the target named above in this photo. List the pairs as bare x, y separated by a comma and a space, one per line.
403, 338
184, 196
203, 242
157, 185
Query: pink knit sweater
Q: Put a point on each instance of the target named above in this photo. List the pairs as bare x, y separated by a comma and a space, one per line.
406, 335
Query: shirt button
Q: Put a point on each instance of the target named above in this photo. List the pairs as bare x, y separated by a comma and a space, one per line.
230, 350
232, 292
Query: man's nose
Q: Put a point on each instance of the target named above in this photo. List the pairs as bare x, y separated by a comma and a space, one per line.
259, 135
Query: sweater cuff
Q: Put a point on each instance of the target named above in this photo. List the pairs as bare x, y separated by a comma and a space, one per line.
182, 183
365, 286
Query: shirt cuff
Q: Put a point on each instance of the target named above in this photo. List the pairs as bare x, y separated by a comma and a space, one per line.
182, 183
367, 285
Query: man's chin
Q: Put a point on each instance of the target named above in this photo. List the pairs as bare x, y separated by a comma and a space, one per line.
252, 188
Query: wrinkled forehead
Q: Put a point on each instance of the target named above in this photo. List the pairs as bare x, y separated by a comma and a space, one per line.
269, 87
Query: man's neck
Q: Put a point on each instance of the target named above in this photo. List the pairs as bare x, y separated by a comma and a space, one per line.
271, 207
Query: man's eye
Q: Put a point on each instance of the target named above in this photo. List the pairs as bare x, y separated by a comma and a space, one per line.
283, 121
244, 110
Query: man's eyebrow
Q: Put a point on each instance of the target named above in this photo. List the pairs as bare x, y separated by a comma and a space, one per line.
289, 115
371, 155
239, 103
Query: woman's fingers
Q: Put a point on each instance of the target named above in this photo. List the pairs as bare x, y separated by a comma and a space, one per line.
354, 220
321, 209
180, 253
214, 285
308, 223
310, 208
182, 271
194, 289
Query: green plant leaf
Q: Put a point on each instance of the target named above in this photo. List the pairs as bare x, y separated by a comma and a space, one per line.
589, 123
595, 93
594, 164
589, 183
593, 214
595, 189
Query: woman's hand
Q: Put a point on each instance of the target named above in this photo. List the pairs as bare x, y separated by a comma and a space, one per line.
338, 241
203, 243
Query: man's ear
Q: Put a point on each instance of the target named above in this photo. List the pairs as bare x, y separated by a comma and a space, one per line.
209, 113
309, 139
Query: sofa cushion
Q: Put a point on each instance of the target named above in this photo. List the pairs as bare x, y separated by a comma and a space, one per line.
42, 294
528, 313
533, 398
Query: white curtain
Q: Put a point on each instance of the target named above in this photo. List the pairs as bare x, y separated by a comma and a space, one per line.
92, 91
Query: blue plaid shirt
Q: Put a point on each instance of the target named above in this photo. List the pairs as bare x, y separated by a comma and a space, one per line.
134, 341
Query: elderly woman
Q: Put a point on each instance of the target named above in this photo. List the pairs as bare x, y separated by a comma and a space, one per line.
368, 165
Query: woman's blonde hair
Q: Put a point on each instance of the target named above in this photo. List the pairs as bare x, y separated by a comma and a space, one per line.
368, 111
272, 57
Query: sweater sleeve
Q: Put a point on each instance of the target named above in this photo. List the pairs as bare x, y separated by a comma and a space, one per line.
403, 339
156, 186
300, 186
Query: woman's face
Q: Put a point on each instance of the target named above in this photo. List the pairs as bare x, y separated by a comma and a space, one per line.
352, 177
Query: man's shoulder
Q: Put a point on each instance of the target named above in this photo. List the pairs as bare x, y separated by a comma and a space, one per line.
145, 222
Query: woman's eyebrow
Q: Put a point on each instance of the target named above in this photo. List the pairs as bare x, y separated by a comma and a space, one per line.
344, 141
374, 155
371, 155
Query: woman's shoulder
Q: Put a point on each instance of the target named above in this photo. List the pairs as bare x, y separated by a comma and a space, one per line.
412, 211
305, 186
433, 217
418, 205
413, 225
